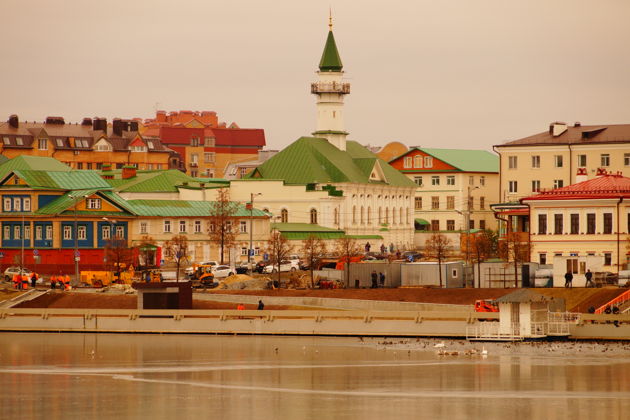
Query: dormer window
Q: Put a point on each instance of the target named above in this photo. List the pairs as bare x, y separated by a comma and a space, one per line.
19, 141
93, 203
150, 145
59, 142
42, 144
428, 162
417, 161
6, 140
408, 162
194, 141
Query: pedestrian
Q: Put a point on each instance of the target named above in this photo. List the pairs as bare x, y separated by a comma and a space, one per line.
391, 248
374, 279
381, 278
53, 282
17, 284
33, 280
589, 278
261, 305
383, 249
24, 281
568, 280
67, 282
240, 307
367, 247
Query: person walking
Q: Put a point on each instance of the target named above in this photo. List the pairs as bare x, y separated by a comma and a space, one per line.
33, 280
568, 280
381, 278
367, 247
261, 305
589, 278
67, 282
383, 249
374, 279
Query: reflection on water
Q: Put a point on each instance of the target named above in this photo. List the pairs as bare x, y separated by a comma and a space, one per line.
59, 376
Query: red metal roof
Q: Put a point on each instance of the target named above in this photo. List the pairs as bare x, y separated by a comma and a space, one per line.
239, 137
605, 186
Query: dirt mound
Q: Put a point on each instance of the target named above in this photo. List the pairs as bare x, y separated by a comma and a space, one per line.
82, 300
243, 282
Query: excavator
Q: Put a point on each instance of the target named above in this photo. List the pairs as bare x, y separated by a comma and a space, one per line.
486, 305
202, 276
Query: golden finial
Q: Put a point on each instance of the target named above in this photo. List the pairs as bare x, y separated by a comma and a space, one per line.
330, 18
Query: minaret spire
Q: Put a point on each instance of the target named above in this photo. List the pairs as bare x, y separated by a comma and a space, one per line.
330, 90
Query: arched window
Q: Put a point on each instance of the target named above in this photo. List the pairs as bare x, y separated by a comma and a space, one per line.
284, 216
393, 215
354, 214
400, 218
369, 216
386, 214
336, 213
380, 215
313, 216
407, 215
362, 215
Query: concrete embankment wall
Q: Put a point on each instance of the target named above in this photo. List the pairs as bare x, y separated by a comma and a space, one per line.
333, 303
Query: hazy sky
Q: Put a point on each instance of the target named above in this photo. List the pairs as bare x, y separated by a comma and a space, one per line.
447, 73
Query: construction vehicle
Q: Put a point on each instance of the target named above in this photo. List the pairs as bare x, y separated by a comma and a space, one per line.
486, 305
202, 276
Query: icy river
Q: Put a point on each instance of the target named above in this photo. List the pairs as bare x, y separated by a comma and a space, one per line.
103, 376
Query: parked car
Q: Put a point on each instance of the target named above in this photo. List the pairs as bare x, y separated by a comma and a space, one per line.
286, 265
11, 271
242, 268
260, 266
221, 271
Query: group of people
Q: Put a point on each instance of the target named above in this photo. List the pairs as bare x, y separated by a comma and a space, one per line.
241, 306
377, 279
568, 279
21, 281
60, 280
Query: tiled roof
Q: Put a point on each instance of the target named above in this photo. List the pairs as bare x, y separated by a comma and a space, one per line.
254, 137
32, 162
583, 134
606, 186
66, 180
311, 160
465, 160
174, 208
331, 61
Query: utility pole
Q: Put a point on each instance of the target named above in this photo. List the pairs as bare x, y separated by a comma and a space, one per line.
250, 251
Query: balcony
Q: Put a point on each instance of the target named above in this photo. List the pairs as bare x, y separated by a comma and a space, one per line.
193, 164
330, 87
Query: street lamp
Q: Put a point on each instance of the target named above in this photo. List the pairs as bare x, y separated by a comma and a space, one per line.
468, 212
250, 251
76, 237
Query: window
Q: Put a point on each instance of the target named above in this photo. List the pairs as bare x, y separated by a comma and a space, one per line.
79, 165
18, 141
194, 158
82, 233
194, 141
208, 157
208, 142
607, 223
120, 231
450, 179
471, 180
17, 232
428, 162
6, 140
512, 162
513, 186
482, 203
408, 162
243, 252
558, 183
386, 214
106, 232
557, 220
435, 225
536, 185
482, 224
182, 226
581, 161
435, 180
6, 204
39, 234
417, 161
49, 232
536, 161
7, 232
313, 214
197, 228
542, 224
418, 180
605, 160
284, 216
138, 149
354, 214
450, 203
102, 147
27, 232
435, 203
67, 232
542, 258
150, 145
572, 265
450, 225
471, 203
417, 204
575, 223
482, 180
144, 227
369, 215
590, 223
471, 224
93, 203
336, 216
167, 226
42, 144
626, 159
607, 258
362, 215
242, 226
557, 159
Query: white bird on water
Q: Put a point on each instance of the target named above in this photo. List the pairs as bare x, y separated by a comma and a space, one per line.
439, 345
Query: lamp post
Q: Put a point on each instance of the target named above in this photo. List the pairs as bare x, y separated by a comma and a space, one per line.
468, 212
250, 251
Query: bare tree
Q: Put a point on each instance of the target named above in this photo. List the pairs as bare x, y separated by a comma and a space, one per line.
438, 247
223, 229
278, 248
117, 254
513, 249
348, 248
177, 250
313, 249
482, 247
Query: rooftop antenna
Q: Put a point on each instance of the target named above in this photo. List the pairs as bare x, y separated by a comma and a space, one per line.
329, 18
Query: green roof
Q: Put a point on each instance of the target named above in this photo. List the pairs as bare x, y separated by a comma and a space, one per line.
421, 222
177, 208
331, 61
311, 160
32, 162
365, 236
462, 159
301, 231
159, 181
301, 236
66, 180
66, 203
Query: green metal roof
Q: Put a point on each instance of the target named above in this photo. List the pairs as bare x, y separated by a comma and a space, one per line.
177, 208
65, 203
32, 162
331, 61
162, 181
302, 227
3, 159
421, 222
311, 160
62, 180
364, 236
301, 236
462, 159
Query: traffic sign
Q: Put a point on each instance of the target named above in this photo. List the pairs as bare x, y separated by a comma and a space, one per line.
77, 254
77, 259
36, 252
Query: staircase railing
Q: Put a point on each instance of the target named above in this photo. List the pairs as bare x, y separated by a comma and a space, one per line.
622, 298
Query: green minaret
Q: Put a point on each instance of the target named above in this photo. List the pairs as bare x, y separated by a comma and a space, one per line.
330, 57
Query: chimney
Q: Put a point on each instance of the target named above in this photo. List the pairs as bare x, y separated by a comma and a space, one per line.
601, 172
557, 128
133, 125
577, 124
55, 120
86, 121
160, 116
117, 127
128, 171
14, 121
99, 124
581, 175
